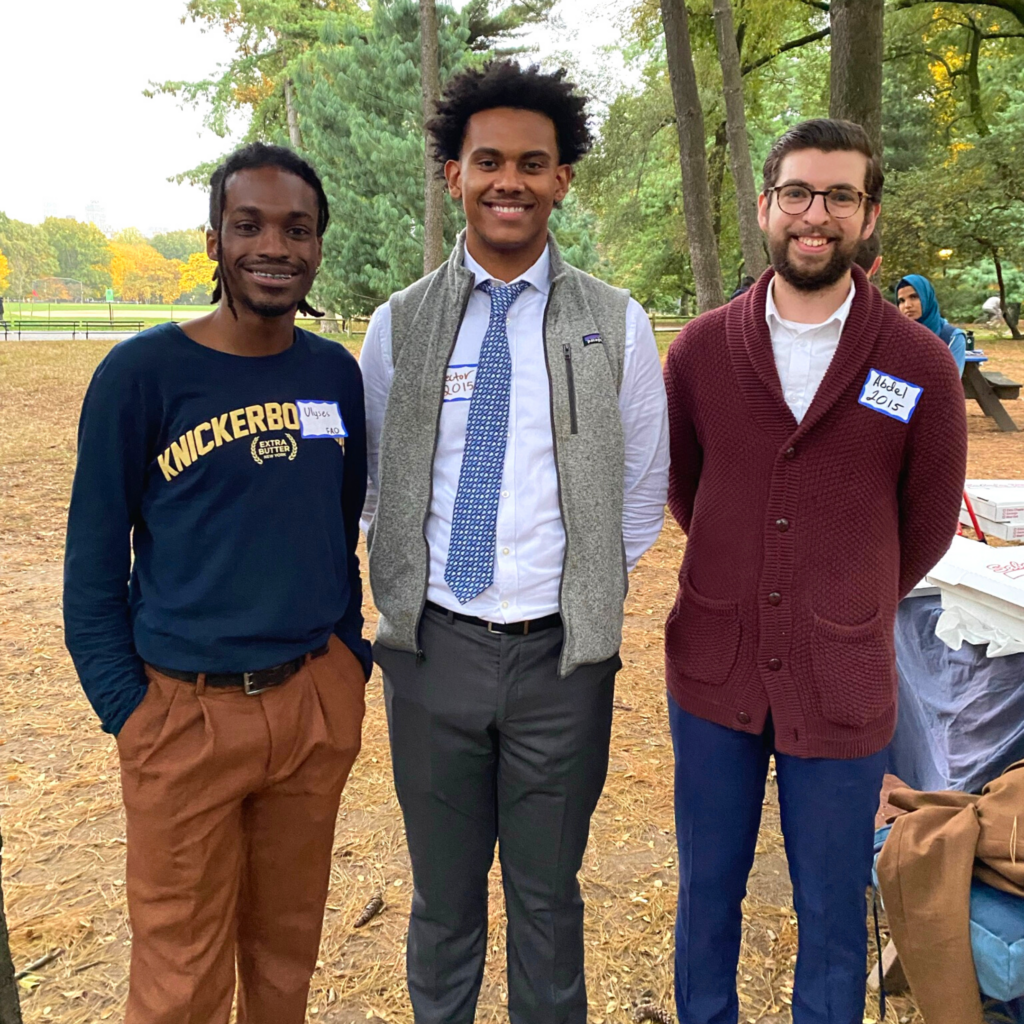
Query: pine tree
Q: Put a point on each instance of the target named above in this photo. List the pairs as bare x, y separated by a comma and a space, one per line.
360, 105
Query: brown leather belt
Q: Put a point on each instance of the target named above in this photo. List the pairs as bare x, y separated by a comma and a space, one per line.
508, 628
251, 682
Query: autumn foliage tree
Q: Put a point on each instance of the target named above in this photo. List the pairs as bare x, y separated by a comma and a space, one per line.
81, 251
196, 275
5, 274
140, 273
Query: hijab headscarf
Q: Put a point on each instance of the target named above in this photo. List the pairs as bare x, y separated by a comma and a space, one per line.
931, 318
930, 315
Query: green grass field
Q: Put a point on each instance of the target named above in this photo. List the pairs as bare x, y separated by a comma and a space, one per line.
117, 312
100, 311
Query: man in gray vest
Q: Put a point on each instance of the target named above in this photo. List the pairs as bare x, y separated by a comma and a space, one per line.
518, 468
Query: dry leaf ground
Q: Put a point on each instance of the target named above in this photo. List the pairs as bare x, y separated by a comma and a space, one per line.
64, 830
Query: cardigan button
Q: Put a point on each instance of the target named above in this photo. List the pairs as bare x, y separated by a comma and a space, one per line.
775, 598
789, 453
774, 664
782, 525
743, 718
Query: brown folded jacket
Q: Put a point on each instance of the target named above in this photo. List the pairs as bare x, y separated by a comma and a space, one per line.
924, 873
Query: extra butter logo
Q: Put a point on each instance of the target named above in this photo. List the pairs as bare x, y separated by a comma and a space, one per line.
263, 448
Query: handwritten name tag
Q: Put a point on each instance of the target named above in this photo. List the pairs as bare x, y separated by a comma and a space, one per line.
459, 382
890, 395
320, 419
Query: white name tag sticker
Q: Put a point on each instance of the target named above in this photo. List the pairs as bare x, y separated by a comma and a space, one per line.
459, 382
890, 396
320, 419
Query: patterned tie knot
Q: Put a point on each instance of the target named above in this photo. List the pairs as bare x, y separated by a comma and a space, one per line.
503, 295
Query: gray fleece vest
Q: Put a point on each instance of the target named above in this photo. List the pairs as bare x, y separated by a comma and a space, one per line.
584, 343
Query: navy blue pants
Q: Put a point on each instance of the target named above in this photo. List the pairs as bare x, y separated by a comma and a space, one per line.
828, 810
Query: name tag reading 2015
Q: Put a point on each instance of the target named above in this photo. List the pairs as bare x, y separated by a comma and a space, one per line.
890, 396
320, 419
459, 382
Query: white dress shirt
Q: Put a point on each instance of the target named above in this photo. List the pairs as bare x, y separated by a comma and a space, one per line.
803, 352
530, 537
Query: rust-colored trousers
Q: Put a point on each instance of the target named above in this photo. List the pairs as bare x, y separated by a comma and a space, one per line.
231, 804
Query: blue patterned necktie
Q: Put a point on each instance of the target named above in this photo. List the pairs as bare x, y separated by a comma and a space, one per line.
469, 570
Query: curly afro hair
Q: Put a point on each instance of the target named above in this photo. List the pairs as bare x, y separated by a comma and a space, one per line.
503, 83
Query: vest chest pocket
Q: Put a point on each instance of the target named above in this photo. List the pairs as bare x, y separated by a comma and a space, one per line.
853, 669
704, 636
570, 379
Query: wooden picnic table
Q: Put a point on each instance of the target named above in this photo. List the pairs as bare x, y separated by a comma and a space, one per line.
989, 388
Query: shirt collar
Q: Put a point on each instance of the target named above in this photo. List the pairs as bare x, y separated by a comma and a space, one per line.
771, 313
539, 275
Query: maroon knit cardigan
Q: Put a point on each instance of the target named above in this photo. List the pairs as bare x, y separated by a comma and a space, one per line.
802, 539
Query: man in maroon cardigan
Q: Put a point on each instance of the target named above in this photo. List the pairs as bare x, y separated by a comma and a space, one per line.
819, 445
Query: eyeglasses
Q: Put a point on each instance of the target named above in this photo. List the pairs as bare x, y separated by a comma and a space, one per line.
797, 199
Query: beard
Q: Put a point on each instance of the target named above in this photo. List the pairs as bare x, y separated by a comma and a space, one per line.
269, 310
812, 280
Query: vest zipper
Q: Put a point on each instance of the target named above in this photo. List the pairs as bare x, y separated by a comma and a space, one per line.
558, 473
420, 656
571, 379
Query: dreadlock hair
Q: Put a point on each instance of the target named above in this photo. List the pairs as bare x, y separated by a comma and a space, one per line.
248, 158
503, 83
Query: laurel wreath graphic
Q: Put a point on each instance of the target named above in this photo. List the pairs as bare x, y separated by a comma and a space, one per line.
292, 443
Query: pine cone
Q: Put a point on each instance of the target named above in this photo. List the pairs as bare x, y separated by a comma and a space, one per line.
653, 1013
371, 910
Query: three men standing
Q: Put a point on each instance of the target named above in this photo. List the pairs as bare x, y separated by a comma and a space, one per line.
818, 458
518, 453
229, 456
499, 549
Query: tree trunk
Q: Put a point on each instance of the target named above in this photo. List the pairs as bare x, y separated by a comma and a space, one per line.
751, 242
856, 78
433, 198
974, 82
707, 274
10, 1005
1011, 321
294, 135
716, 179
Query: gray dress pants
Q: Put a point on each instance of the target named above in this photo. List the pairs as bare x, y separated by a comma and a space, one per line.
489, 745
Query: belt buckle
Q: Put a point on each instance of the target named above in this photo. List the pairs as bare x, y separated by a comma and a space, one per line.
248, 687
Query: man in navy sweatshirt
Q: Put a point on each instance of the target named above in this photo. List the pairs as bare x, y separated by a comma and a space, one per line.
228, 455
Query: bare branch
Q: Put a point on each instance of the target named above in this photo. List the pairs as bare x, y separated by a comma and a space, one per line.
793, 44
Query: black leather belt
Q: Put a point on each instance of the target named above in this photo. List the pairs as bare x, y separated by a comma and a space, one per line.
250, 682
509, 628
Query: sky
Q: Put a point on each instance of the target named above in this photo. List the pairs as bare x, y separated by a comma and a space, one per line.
72, 76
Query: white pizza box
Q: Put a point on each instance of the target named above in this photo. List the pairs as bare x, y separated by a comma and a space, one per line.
1011, 530
924, 589
987, 583
1000, 500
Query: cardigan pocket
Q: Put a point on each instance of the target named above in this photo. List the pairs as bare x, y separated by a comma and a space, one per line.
703, 635
853, 670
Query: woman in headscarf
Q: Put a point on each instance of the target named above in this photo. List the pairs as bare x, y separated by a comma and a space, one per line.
915, 298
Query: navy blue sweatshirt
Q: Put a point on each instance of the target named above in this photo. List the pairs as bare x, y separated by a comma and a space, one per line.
230, 480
